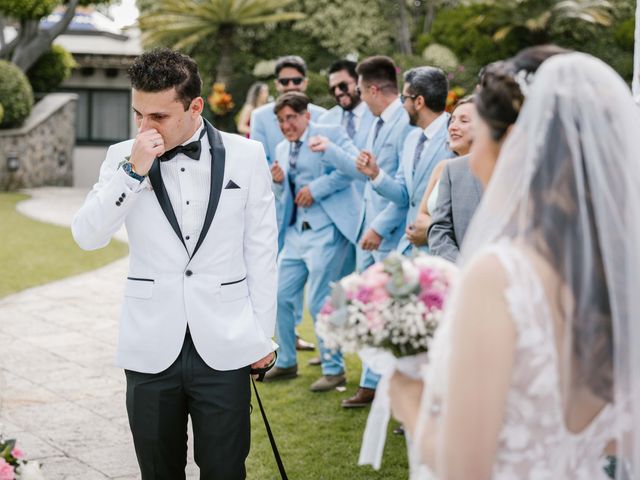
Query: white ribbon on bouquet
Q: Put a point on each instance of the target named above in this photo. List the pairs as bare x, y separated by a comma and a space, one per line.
384, 363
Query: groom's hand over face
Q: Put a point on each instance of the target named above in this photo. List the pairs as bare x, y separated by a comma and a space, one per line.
146, 147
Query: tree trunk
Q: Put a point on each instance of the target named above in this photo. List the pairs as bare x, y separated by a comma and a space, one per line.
404, 33
33, 42
429, 16
224, 69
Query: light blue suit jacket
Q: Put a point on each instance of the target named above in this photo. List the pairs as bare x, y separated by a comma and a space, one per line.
406, 189
265, 129
332, 190
334, 117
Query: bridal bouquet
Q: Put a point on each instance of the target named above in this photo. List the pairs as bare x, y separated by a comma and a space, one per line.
388, 314
13, 465
394, 305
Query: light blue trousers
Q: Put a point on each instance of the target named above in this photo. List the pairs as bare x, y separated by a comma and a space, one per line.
315, 258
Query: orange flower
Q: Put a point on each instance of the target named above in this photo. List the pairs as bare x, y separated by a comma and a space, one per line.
220, 101
453, 96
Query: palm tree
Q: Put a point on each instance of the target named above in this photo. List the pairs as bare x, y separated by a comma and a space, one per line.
536, 15
184, 24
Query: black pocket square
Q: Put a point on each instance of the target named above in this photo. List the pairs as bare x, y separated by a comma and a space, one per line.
231, 185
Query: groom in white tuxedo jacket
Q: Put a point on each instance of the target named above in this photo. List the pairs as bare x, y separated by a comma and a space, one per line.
200, 299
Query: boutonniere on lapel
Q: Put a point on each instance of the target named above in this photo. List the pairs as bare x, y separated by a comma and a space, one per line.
147, 183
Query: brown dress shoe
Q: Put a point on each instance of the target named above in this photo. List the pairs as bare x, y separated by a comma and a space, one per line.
277, 373
328, 382
304, 346
362, 398
315, 362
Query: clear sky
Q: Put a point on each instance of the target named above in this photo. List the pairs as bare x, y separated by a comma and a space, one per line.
124, 12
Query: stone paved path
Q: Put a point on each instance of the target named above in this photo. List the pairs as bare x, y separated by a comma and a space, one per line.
60, 392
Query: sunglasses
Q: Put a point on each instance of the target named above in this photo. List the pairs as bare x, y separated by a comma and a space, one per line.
295, 80
343, 86
403, 97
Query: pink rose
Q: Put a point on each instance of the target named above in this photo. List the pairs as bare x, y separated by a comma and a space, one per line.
6, 471
17, 453
426, 277
364, 295
327, 309
432, 299
379, 280
379, 295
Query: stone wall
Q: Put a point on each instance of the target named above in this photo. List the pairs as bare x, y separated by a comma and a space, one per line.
43, 146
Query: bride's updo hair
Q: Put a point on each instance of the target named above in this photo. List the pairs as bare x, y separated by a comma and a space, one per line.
502, 87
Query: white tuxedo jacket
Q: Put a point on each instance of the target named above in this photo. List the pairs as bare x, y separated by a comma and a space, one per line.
226, 291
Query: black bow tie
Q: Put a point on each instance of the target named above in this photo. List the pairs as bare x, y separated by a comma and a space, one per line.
191, 150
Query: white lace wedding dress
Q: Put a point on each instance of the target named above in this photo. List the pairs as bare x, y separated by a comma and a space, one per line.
534, 442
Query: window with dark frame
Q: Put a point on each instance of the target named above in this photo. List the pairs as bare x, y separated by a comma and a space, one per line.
103, 116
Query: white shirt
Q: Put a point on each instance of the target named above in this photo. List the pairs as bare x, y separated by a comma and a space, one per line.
386, 116
188, 183
358, 112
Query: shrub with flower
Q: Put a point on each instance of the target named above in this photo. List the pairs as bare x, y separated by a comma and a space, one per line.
388, 314
455, 94
13, 465
394, 305
220, 101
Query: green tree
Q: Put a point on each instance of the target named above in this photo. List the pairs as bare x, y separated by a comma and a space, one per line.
346, 27
31, 41
538, 16
188, 24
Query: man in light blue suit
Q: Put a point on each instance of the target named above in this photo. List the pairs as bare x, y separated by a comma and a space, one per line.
320, 212
350, 112
291, 76
355, 118
378, 87
424, 98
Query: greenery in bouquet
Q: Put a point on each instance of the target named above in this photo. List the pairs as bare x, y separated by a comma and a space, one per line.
13, 465
395, 305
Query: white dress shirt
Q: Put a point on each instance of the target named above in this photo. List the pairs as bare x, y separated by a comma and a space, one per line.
358, 112
188, 183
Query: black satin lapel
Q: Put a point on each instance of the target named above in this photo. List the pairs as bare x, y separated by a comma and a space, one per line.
217, 176
155, 177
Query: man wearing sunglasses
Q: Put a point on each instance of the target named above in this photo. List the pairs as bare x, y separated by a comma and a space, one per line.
291, 72
378, 88
291, 76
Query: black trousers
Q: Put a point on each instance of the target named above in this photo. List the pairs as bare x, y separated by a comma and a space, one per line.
219, 404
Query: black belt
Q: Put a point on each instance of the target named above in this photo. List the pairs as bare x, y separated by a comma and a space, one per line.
305, 226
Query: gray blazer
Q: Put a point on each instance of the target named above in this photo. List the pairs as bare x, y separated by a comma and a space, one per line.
459, 194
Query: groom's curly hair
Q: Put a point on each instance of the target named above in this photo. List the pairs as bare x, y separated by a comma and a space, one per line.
161, 69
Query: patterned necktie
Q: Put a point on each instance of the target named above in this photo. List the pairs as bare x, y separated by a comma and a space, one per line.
294, 150
191, 150
379, 124
419, 150
351, 124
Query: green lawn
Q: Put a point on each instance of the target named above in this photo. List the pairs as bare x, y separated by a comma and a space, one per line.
318, 440
34, 253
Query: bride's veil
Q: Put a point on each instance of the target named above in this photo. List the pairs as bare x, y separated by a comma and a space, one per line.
567, 184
